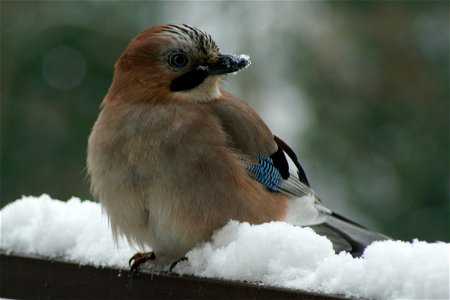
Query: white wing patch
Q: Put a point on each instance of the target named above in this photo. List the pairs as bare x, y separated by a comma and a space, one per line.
305, 211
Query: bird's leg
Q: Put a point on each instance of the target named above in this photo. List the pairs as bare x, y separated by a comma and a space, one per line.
140, 258
173, 265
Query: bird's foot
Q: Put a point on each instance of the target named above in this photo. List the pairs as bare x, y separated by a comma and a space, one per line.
140, 258
173, 265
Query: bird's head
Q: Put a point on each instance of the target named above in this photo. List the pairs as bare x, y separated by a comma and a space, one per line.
173, 62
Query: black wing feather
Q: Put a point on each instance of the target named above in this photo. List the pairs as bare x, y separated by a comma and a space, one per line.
280, 162
284, 147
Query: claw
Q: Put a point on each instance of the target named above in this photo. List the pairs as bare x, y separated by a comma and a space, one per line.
138, 259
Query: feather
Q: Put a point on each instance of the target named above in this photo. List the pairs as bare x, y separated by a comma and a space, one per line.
266, 173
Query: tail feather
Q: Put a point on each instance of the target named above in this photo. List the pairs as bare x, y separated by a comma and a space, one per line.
347, 235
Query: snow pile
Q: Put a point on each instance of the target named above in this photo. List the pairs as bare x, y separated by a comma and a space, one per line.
74, 230
276, 253
283, 255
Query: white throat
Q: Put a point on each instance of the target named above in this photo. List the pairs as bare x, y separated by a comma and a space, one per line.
206, 91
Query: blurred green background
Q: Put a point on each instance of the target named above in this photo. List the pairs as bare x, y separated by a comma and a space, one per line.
359, 88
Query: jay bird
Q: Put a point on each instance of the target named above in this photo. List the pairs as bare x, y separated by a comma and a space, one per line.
172, 157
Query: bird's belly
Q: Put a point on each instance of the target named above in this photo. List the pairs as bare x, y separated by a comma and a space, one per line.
156, 218
173, 228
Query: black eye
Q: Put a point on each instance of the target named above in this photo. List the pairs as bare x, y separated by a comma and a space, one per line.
178, 60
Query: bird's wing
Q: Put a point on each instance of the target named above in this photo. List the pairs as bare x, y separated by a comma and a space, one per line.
264, 154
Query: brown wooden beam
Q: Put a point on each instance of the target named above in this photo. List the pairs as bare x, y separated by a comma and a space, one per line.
26, 278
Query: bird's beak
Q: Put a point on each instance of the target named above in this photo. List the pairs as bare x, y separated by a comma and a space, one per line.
227, 64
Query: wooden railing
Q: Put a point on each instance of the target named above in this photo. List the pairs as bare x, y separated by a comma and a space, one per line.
37, 278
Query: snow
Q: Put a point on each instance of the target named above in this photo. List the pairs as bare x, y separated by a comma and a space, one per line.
245, 58
284, 255
74, 230
276, 254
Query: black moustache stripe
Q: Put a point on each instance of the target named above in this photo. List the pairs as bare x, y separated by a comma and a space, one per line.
188, 80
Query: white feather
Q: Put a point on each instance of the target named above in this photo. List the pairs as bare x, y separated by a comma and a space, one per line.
304, 211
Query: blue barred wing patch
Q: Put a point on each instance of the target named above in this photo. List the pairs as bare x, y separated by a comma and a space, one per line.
265, 172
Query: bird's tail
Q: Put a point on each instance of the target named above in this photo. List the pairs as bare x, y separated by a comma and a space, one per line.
347, 235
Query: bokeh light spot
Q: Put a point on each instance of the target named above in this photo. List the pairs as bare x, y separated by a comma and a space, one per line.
63, 68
